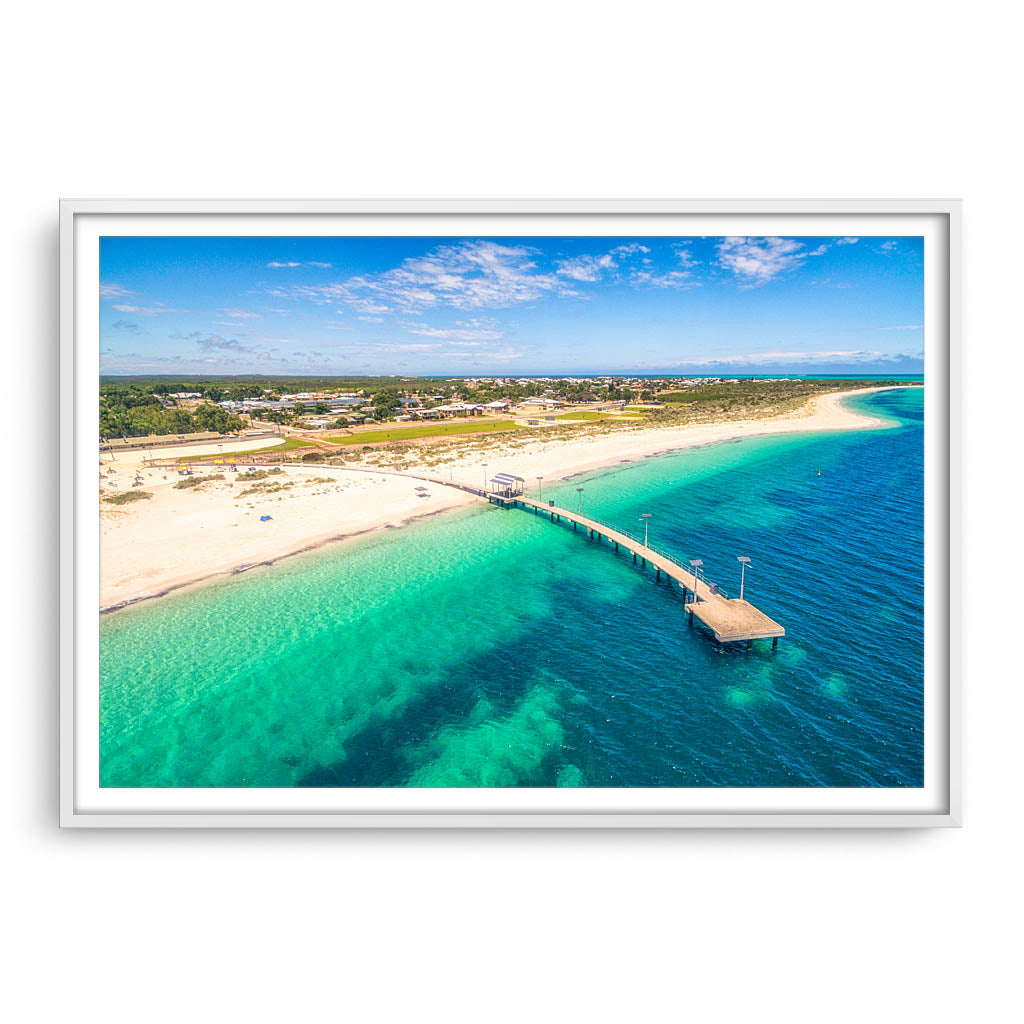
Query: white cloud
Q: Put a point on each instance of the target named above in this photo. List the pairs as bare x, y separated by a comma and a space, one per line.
278, 263
683, 254
585, 268
368, 306
757, 261
215, 343
593, 268
148, 310
663, 279
465, 330
681, 278
630, 249
847, 241
467, 275
114, 291
124, 325
239, 314
903, 327
889, 246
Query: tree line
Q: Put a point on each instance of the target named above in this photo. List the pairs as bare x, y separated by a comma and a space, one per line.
131, 412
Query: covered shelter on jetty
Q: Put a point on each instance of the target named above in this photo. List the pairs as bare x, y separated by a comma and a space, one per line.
506, 485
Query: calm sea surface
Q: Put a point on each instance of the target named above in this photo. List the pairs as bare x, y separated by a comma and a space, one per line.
491, 648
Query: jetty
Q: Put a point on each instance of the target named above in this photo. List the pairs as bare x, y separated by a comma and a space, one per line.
731, 620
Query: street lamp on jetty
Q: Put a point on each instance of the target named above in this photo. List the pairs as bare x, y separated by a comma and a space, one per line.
646, 517
696, 563
742, 559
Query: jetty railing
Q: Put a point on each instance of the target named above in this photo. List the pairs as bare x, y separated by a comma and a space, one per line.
701, 575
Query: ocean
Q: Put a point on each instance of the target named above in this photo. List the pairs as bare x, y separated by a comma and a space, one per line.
490, 647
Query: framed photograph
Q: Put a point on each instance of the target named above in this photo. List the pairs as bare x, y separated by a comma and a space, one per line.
509, 514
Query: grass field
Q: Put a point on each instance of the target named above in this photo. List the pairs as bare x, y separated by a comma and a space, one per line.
432, 430
593, 414
290, 444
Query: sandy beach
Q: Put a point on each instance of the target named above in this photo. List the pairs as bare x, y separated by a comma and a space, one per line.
183, 536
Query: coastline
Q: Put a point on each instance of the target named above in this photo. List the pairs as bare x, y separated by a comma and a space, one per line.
180, 538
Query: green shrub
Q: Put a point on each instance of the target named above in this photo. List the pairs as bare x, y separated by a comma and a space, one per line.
127, 497
196, 481
259, 474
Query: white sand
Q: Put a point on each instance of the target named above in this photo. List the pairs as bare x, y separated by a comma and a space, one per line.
182, 536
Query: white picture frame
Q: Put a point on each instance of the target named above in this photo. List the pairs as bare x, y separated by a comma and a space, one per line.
81, 222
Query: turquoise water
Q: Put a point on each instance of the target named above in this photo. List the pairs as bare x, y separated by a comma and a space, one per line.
490, 647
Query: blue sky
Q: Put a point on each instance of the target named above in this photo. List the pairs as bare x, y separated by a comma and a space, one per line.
510, 305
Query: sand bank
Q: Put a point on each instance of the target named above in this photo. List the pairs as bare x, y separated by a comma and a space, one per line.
181, 536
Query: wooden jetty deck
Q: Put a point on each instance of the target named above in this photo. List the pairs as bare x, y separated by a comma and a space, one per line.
731, 620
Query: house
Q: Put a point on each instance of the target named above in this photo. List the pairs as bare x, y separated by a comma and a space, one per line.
459, 409
498, 406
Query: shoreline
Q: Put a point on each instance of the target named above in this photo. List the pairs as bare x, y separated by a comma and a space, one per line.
245, 567
396, 504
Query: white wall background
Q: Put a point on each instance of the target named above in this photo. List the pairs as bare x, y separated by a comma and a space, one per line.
528, 99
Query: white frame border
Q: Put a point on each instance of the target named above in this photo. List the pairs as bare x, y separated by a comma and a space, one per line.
71, 817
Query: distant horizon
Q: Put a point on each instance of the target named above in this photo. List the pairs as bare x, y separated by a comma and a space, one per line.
519, 375
493, 306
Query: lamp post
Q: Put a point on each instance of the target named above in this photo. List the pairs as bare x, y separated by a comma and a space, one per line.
696, 563
646, 517
742, 559
540, 488
485, 476
579, 492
